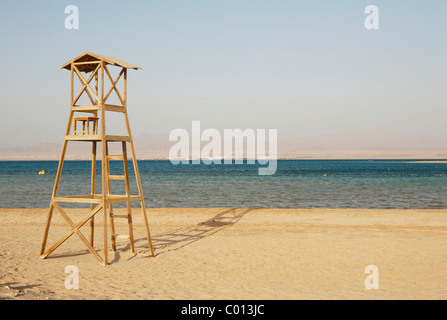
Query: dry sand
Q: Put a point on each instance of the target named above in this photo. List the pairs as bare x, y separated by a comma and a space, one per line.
235, 254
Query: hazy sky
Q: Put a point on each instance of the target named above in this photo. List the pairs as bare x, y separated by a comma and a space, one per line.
302, 67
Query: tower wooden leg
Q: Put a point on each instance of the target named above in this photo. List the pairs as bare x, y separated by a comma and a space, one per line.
93, 186
109, 191
138, 180
112, 228
55, 188
140, 192
104, 177
47, 229
129, 207
106, 252
149, 240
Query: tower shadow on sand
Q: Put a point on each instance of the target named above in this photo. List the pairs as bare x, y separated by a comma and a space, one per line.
181, 237
172, 240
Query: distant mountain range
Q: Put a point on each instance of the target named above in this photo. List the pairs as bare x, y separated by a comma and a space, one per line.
374, 143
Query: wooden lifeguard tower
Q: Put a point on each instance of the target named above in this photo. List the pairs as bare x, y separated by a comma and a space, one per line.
97, 67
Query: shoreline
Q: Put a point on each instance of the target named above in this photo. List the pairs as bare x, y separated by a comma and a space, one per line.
232, 253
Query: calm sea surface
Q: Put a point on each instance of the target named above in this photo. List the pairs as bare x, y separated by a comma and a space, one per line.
296, 184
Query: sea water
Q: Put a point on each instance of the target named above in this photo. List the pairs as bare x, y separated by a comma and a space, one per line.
381, 184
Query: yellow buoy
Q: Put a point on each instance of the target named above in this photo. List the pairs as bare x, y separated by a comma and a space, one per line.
42, 172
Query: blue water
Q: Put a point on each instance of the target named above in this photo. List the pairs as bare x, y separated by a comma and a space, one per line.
296, 184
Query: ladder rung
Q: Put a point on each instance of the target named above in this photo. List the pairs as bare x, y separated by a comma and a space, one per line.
111, 107
117, 138
113, 198
113, 177
115, 158
121, 236
120, 216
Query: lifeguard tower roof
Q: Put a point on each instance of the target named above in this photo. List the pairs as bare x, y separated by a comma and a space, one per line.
95, 59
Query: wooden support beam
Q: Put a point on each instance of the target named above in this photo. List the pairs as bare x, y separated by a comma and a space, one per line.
74, 229
85, 84
114, 85
96, 137
90, 109
87, 62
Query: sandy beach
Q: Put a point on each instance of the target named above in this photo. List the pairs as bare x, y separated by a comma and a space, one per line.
223, 253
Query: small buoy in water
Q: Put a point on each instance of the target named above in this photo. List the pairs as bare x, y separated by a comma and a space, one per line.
325, 174
440, 175
42, 172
